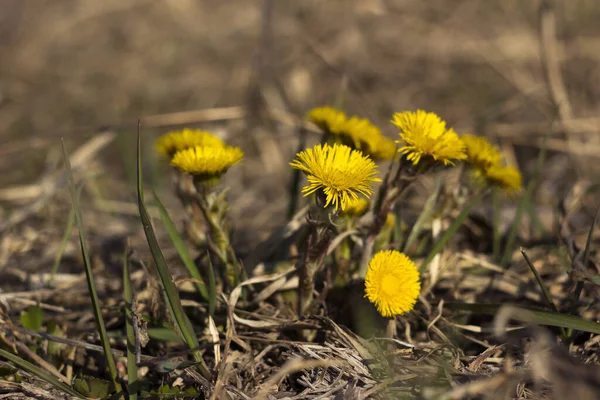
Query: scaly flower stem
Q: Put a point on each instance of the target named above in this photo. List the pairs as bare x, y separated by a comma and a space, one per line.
312, 262
220, 238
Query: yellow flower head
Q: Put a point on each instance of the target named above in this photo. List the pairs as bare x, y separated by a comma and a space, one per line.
424, 134
172, 142
392, 283
327, 118
340, 172
390, 220
507, 179
480, 153
207, 161
358, 133
357, 207
366, 137
385, 149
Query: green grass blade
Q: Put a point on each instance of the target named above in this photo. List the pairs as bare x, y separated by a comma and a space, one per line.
588, 243
538, 278
516, 223
132, 379
64, 240
549, 318
40, 373
595, 279
451, 230
184, 254
110, 360
183, 324
496, 240
424, 216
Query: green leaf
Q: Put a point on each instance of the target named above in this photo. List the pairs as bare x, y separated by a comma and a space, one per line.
55, 348
32, 318
110, 360
595, 279
530, 315
40, 373
169, 289
164, 335
93, 387
177, 241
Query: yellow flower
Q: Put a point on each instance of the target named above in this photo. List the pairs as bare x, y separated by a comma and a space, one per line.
327, 118
357, 207
392, 283
207, 161
480, 153
390, 220
358, 133
507, 179
338, 171
174, 141
366, 137
385, 149
424, 134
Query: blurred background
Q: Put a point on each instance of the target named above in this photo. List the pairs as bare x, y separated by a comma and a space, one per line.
250, 70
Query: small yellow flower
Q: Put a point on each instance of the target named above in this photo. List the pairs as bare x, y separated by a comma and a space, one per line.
480, 153
357, 207
327, 118
507, 179
424, 134
366, 137
390, 220
207, 161
392, 283
172, 142
340, 172
385, 149
358, 133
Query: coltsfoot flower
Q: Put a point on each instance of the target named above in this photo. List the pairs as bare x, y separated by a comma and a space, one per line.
357, 207
480, 153
207, 161
358, 133
363, 135
507, 179
392, 283
385, 149
175, 141
327, 118
339, 172
424, 135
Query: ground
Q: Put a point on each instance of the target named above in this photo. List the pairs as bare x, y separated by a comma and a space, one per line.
523, 74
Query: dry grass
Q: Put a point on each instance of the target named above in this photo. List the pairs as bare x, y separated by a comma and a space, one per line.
515, 71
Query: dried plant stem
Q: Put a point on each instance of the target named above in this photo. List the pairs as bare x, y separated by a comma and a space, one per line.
390, 331
317, 244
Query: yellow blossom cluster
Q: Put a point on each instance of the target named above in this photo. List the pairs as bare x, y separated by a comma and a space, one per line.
198, 153
358, 133
485, 160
